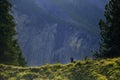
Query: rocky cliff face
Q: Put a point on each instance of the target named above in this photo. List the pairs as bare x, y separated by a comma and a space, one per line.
52, 31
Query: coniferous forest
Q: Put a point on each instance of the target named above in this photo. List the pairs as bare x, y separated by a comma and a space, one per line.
104, 65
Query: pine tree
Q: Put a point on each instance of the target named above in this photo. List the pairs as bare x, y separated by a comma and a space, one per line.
10, 52
110, 31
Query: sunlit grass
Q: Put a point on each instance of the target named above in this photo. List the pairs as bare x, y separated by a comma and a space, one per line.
107, 69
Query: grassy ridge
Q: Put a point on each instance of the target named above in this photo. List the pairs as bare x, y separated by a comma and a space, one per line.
108, 69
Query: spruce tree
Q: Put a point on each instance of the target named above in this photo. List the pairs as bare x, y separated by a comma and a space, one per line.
10, 52
110, 31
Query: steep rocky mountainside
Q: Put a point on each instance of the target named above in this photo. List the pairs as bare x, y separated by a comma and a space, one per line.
52, 31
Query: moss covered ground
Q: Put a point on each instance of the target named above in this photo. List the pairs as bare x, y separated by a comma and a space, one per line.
107, 69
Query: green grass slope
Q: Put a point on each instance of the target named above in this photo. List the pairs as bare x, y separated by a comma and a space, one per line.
108, 69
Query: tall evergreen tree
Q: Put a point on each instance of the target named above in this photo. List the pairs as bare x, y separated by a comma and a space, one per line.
110, 31
10, 52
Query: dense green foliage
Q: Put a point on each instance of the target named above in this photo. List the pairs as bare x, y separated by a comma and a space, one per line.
110, 31
108, 69
10, 52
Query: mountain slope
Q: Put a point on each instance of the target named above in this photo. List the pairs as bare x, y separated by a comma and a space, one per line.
108, 69
51, 31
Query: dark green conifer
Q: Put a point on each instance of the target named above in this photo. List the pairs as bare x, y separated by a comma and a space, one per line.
110, 31
10, 52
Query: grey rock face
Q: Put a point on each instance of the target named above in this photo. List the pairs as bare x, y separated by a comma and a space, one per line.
52, 31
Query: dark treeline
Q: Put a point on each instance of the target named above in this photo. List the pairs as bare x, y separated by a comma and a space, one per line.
10, 52
110, 31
